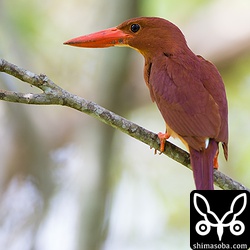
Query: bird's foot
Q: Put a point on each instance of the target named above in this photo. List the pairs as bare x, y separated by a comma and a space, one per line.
163, 137
216, 164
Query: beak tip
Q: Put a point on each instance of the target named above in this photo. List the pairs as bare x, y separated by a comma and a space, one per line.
73, 42
66, 43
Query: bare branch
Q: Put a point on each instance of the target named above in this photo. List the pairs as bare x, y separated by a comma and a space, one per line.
54, 95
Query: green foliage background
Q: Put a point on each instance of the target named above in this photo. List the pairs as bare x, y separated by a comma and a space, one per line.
69, 182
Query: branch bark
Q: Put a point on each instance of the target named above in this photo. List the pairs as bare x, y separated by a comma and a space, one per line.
52, 94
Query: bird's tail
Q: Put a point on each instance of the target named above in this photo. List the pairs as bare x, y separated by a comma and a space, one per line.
202, 163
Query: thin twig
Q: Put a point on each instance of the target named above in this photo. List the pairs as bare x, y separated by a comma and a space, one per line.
52, 94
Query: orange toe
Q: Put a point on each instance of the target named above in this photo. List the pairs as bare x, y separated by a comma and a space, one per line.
216, 164
163, 137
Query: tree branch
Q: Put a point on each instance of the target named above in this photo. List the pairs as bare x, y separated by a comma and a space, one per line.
52, 94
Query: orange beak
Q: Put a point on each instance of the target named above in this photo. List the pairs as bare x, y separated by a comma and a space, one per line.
101, 39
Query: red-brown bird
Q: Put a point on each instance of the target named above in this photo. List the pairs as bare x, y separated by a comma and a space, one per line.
187, 89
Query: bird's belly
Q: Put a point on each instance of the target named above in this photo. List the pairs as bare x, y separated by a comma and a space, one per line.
173, 134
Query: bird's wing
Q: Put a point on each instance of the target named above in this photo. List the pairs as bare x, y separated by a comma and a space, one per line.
186, 101
215, 86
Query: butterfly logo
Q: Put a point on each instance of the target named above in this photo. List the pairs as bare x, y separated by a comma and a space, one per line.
210, 219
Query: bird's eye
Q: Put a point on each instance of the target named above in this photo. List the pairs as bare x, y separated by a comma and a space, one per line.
135, 27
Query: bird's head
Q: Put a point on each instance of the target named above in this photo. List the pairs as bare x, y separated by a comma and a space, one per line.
148, 35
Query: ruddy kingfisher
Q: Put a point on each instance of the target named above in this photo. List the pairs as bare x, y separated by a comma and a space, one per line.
188, 90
